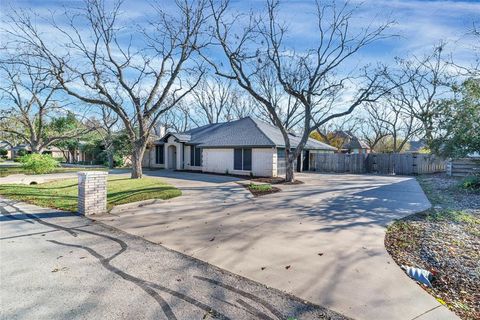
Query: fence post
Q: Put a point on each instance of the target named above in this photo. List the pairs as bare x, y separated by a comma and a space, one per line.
449, 167
92, 192
414, 164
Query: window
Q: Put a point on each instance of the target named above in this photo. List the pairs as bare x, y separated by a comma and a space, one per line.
247, 159
198, 157
195, 156
242, 159
159, 154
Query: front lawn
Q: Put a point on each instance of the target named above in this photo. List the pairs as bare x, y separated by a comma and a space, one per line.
8, 170
444, 239
63, 194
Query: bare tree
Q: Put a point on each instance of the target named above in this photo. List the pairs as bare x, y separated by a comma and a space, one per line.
259, 60
388, 117
419, 87
338, 131
109, 121
214, 99
30, 97
177, 119
475, 69
473, 40
244, 106
373, 128
138, 72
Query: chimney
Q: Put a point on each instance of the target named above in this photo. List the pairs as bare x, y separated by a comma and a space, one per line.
160, 129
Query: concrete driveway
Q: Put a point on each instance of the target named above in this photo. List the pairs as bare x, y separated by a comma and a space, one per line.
321, 241
57, 265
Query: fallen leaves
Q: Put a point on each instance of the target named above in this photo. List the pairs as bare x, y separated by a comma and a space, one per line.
444, 239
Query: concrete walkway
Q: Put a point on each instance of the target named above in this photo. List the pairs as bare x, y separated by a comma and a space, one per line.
37, 178
321, 241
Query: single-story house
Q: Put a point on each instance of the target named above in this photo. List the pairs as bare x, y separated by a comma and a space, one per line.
416, 146
245, 147
5, 145
25, 148
350, 143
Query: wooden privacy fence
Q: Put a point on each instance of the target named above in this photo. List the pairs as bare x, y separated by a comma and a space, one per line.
463, 167
340, 163
382, 163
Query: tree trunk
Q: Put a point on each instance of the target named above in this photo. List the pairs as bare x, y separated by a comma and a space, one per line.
34, 148
289, 170
110, 159
137, 157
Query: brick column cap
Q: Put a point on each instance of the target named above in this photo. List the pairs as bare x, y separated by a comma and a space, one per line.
92, 173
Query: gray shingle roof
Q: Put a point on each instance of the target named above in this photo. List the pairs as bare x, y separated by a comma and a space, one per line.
276, 136
350, 140
246, 132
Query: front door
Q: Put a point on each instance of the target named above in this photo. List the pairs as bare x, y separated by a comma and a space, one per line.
306, 160
172, 157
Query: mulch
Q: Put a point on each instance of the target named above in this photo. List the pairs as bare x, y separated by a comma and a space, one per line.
276, 180
448, 244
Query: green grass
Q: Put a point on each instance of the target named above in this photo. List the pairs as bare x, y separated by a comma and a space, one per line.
260, 187
63, 194
6, 171
458, 216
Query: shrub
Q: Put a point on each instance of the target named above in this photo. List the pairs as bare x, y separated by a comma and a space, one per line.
260, 187
38, 163
470, 183
118, 160
59, 159
3, 152
21, 153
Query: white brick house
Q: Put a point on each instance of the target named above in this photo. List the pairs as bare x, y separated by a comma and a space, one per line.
244, 147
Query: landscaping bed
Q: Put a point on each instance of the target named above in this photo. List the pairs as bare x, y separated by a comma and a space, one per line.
446, 240
261, 189
275, 180
63, 194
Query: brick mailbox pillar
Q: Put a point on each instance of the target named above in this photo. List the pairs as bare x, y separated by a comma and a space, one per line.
92, 192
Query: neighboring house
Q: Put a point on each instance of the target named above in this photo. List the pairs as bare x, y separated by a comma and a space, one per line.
416, 146
53, 151
350, 143
5, 145
244, 147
